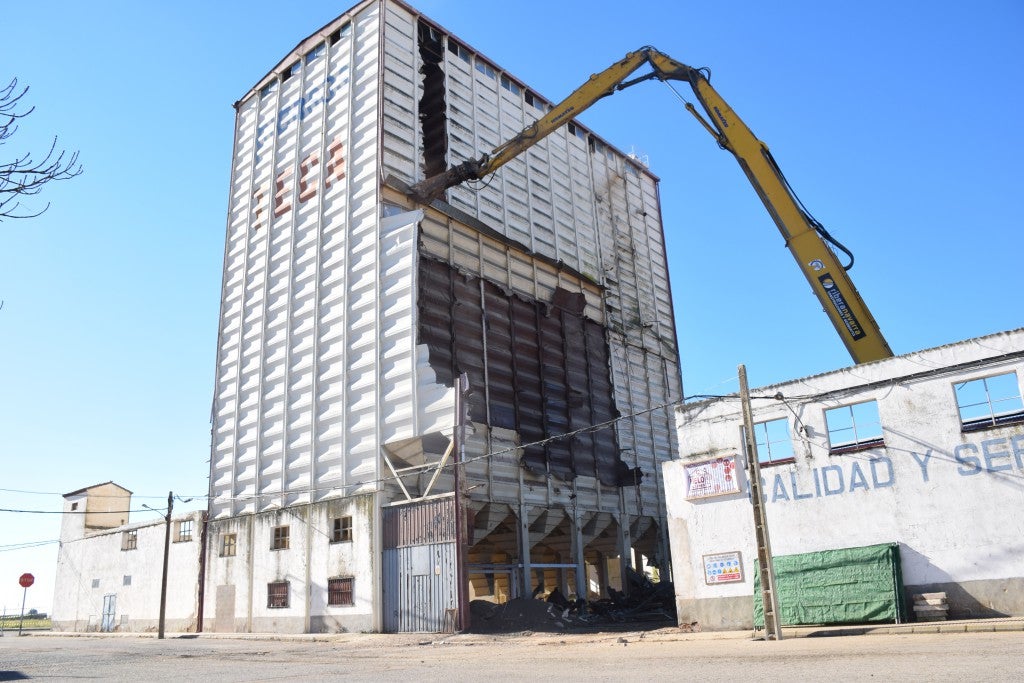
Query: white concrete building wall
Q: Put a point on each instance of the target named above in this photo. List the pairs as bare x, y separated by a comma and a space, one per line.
93, 566
949, 497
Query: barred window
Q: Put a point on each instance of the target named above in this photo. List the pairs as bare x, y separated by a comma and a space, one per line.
277, 594
228, 545
280, 538
342, 530
130, 540
339, 591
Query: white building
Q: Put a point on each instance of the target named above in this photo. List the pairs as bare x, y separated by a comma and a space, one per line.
349, 312
109, 570
925, 450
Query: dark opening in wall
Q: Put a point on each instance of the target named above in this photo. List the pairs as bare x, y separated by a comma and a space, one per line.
544, 365
433, 116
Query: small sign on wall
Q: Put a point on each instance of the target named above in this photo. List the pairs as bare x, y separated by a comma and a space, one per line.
711, 478
723, 568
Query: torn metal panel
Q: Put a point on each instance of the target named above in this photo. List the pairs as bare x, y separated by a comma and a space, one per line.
541, 368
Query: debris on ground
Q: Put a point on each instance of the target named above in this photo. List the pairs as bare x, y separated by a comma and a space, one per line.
645, 602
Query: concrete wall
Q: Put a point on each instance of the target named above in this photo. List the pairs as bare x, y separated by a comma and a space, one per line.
236, 593
949, 497
92, 565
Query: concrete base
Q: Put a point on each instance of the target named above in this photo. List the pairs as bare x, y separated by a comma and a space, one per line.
976, 599
717, 614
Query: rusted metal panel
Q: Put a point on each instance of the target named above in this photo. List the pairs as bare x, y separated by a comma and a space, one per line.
430, 521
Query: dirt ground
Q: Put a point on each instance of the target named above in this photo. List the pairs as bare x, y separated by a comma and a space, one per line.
659, 655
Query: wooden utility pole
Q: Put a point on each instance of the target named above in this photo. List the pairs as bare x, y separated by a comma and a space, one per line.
461, 532
167, 550
769, 598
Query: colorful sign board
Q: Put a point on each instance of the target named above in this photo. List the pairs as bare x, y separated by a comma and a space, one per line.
708, 478
723, 568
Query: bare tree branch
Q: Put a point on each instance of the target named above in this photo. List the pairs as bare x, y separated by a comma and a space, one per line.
25, 176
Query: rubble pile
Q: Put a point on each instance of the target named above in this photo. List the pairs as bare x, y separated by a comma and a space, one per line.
645, 603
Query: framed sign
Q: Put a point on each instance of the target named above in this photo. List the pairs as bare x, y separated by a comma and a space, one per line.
711, 478
723, 568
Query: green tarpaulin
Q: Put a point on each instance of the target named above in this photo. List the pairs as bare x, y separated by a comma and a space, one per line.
847, 586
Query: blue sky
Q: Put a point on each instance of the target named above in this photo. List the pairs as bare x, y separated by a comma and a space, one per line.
898, 124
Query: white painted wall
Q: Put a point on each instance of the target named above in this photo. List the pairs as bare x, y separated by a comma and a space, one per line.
91, 565
951, 499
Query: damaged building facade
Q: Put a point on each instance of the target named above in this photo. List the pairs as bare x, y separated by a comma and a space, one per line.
910, 465
513, 342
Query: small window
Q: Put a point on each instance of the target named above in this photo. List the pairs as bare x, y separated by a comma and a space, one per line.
459, 51
130, 540
291, 71
535, 101
989, 402
854, 427
315, 53
127, 580
510, 85
485, 68
577, 131
280, 538
74, 506
268, 89
339, 591
342, 531
228, 545
774, 446
277, 594
340, 33
184, 531
95, 583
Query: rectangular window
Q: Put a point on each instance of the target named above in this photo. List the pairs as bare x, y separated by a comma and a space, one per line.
280, 538
485, 68
228, 545
458, 50
130, 540
313, 54
342, 530
773, 443
277, 594
339, 591
989, 402
95, 583
511, 86
127, 580
184, 528
854, 427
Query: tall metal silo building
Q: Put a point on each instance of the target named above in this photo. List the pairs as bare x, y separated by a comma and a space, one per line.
520, 331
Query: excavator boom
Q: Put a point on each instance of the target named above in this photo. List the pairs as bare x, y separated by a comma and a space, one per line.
806, 239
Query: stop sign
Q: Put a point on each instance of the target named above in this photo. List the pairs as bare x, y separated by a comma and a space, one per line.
26, 580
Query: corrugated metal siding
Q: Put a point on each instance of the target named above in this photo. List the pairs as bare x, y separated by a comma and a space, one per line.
430, 521
295, 400
419, 565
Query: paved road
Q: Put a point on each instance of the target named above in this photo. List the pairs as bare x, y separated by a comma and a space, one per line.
664, 655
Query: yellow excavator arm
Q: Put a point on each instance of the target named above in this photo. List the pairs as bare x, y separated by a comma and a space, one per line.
806, 239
